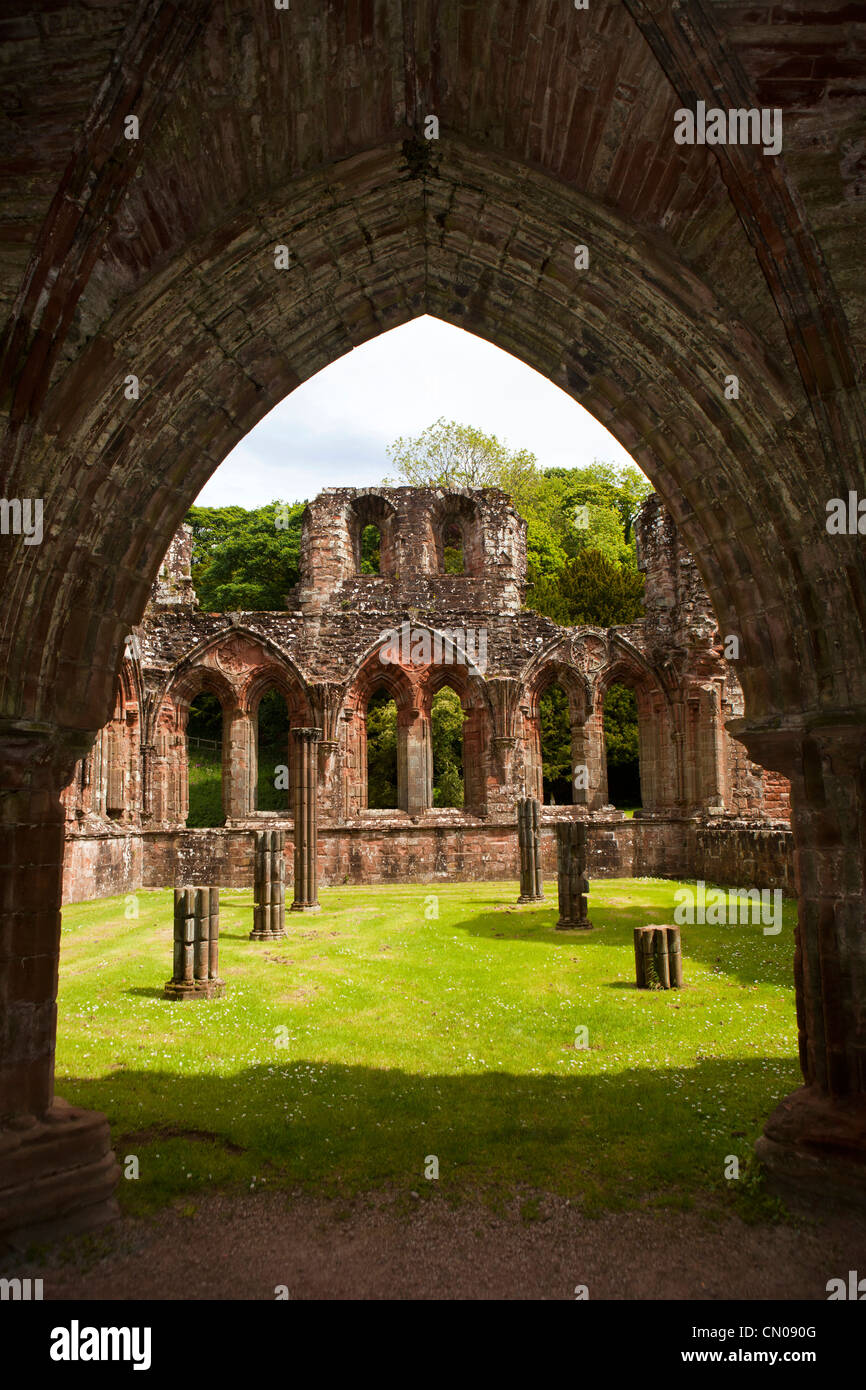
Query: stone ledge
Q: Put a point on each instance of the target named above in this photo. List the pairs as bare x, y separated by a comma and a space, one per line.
815, 1147
57, 1176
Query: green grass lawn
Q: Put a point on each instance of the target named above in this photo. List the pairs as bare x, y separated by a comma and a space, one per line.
206, 785
377, 1035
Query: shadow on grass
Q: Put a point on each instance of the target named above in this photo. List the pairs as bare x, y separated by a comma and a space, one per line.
739, 952
610, 1141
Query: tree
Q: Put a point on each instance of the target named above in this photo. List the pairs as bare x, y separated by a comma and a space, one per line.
589, 589
381, 752
447, 739
555, 732
447, 454
245, 560
622, 746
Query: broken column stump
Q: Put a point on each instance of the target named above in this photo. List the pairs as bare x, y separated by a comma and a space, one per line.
196, 945
572, 881
658, 957
529, 841
269, 891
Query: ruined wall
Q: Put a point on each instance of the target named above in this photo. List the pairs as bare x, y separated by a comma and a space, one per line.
745, 856
410, 630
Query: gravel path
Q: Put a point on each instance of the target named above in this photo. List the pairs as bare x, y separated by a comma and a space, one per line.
383, 1247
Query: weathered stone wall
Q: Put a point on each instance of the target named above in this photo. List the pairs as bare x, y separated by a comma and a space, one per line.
747, 855
409, 630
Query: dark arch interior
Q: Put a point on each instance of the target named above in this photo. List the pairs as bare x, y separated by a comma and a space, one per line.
554, 723
622, 747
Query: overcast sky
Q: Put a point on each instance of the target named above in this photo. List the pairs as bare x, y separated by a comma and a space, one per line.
332, 431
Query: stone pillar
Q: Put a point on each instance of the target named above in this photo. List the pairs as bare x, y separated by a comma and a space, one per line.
305, 811
815, 1141
269, 896
414, 761
573, 884
57, 1170
580, 759
239, 760
529, 841
196, 945
714, 736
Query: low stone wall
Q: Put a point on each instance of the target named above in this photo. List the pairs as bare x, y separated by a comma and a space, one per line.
442, 847
101, 866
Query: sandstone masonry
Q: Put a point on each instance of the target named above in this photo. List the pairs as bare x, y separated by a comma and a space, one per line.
708, 810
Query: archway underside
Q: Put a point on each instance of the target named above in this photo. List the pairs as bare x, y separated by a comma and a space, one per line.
159, 262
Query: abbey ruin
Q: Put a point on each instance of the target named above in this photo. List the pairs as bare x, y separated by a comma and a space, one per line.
708, 810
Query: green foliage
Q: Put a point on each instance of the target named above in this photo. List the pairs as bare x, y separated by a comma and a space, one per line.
555, 725
205, 719
205, 789
622, 747
274, 721
273, 741
245, 560
620, 726
447, 454
589, 589
447, 736
205, 722
381, 752
371, 541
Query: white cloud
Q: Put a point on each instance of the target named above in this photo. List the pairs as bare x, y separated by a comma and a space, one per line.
333, 430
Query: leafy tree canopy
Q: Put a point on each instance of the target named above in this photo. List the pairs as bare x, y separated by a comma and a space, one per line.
245, 560
447, 454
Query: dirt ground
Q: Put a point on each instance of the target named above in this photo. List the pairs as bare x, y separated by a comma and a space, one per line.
385, 1247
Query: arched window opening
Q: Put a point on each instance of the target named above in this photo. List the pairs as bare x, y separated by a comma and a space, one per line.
554, 723
381, 752
622, 749
454, 561
447, 737
459, 536
371, 549
272, 782
204, 734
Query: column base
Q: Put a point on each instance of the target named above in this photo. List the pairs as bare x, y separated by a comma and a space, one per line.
197, 989
813, 1150
529, 898
267, 935
57, 1176
581, 925
305, 907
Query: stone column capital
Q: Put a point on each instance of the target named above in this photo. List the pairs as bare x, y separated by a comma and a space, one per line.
307, 735
780, 745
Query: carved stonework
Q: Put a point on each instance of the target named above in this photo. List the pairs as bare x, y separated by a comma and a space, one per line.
237, 655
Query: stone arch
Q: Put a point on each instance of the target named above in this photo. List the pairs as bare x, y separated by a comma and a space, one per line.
708, 468
167, 780
552, 668
372, 509
661, 753
477, 727
458, 512
480, 230
274, 673
369, 676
